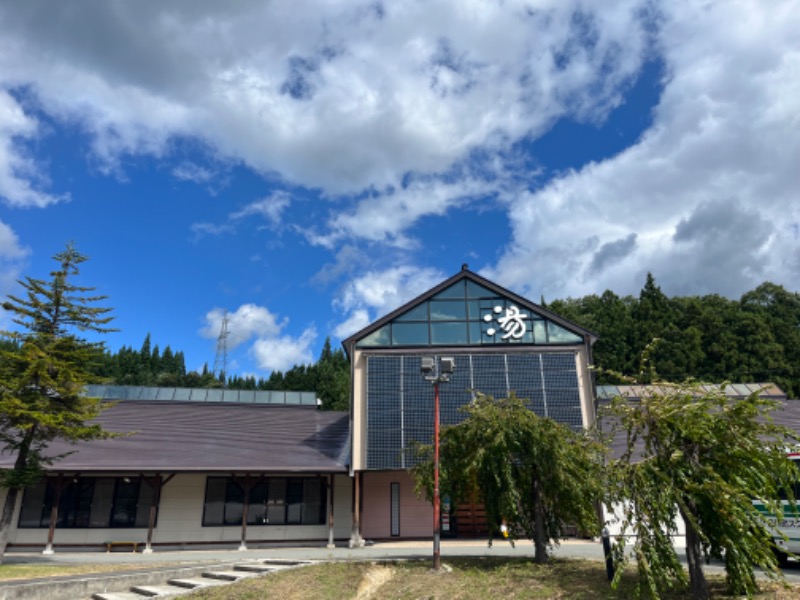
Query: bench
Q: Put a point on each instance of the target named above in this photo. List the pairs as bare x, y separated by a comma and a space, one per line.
110, 545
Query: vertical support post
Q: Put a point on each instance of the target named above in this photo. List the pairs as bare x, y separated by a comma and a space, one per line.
54, 515
437, 559
331, 481
156, 483
245, 505
355, 536
156, 498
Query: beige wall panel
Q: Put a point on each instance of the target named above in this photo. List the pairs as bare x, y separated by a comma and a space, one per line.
359, 410
416, 514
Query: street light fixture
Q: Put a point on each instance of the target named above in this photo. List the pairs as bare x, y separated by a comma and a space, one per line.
434, 375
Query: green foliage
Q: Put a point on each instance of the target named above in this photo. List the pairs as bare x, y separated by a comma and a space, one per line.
536, 474
693, 452
43, 374
754, 339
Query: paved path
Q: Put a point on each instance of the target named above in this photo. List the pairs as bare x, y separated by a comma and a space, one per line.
377, 551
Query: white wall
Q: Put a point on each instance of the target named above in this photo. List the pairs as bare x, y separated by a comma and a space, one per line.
180, 521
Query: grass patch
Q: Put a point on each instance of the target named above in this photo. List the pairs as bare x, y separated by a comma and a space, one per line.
464, 579
36, 570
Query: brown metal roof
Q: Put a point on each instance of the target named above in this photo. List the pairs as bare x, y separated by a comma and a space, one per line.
188, 436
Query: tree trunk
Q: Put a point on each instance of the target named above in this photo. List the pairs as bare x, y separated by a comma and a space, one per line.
694, 559
5, 519
539, 534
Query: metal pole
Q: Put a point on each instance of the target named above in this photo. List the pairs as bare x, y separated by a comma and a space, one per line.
437, 561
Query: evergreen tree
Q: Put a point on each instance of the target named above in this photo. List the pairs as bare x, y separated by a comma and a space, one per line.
41, 384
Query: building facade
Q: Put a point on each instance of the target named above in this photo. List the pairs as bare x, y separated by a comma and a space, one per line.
501, 344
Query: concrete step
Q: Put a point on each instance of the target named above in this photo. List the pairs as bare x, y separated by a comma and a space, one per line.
227, 575
194, 583
159, 591
118, 596
255, 568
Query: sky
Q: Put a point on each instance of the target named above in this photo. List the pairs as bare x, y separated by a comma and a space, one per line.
309, 167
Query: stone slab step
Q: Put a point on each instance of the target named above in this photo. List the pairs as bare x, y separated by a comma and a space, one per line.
227, 575
118, 596
194, 583
255, 568
159, 591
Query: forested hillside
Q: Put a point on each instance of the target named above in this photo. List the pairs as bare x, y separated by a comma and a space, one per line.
753, 339
711, 338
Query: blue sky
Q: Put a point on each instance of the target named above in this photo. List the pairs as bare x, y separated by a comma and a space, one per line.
310, 168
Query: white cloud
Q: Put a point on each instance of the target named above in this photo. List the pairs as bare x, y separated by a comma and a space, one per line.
271, 208
281, 354
246, 322
341, 97
12, 260
376, 293
357, 320
189, 171
709, 191
272, 349
20, 176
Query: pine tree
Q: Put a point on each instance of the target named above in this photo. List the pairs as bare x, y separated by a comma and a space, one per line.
42, 383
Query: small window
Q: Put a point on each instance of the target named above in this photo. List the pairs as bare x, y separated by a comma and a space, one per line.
394, 508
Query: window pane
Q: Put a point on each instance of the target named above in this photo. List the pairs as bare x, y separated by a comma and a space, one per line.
313, 499
539, 334
420, 313
559, 335
102, 501
454, 291
294, 500
477, 291
276, 501
143, 505
234, 500
33, 505
76, 504
126, 497
376, 338
257, 511
448, 333
410, 334
449, 310
215, 501
474, 332
474, 310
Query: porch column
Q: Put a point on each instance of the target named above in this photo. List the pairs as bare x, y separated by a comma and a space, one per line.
247, 484
356, 541
156, 483
54, 515
331, 481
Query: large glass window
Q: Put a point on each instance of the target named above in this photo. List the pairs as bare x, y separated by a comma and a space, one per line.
468, 314
87, 502
273, 501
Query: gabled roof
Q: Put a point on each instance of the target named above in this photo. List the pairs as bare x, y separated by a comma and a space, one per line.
165, 436
466, 274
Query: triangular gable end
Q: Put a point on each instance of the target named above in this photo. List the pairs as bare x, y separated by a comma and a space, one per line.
468, 310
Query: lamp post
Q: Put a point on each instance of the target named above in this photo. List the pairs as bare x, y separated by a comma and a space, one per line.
436, 374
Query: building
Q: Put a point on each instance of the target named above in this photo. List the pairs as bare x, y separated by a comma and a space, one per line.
194, 467
501, 343
229, 467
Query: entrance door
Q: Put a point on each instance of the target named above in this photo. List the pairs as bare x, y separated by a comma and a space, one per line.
471, 520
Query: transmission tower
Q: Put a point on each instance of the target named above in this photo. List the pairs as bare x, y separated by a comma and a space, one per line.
221, 359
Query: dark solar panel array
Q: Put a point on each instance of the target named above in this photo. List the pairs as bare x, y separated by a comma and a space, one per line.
170, 394
400, 401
